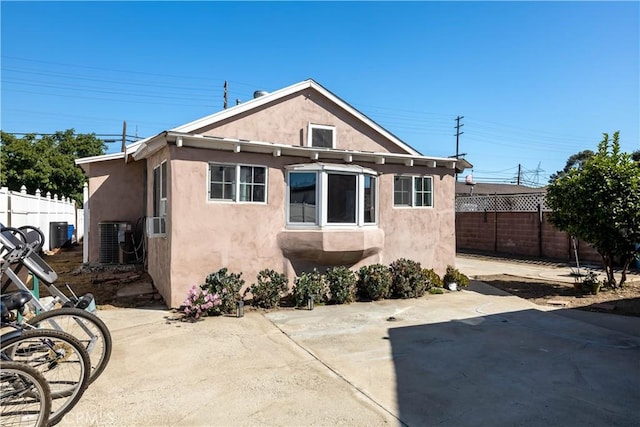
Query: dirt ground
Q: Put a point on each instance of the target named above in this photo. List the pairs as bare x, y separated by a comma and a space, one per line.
130, 286
625, 301
111, 286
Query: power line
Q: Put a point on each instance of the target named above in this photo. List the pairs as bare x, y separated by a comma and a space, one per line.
421, 124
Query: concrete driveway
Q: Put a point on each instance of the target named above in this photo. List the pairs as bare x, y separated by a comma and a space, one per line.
469, 358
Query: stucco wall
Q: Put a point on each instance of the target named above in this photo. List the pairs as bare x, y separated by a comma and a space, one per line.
116, 193
206, 236
159, 248
286, 122
247, 237
426, 235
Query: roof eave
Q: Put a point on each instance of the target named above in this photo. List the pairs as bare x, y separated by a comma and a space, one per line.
101, 158
239, 145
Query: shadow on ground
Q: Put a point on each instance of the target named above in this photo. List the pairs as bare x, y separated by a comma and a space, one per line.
516, 368
531, 288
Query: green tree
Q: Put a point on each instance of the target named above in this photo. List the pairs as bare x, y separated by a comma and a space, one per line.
573, 162
600, 204
47, 163
635, 156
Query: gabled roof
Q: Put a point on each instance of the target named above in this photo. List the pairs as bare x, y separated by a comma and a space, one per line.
281, 93
143, 148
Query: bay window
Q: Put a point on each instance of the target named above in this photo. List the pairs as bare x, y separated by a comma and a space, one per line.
329, 195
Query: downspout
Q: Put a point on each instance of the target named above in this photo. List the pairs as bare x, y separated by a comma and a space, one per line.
144, 222
87, 216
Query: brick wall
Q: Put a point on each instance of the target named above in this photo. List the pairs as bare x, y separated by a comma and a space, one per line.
517, 234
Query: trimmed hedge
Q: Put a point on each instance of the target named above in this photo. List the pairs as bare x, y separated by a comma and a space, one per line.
374, 282
342, 285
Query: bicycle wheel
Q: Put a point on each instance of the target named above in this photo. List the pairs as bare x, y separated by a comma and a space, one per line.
25, 397
86, 327
60, 357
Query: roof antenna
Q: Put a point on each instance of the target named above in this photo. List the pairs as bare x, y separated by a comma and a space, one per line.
124, 135
226, 94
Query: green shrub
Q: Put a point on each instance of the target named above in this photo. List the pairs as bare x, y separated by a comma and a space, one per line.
435, 291
269, 288
432, 277
374, 282
309, 284
227, 286
408, 279
452, 275
342, 285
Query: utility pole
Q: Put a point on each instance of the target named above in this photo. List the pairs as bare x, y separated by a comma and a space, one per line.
124, 135
458, 133
226, 94
519, 169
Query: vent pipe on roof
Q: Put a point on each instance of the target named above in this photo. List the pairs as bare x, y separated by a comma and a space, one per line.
259, 93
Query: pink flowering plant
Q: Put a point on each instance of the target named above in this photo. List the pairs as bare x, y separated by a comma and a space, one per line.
200, 303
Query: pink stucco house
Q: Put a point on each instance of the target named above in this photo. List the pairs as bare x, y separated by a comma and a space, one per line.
291, 180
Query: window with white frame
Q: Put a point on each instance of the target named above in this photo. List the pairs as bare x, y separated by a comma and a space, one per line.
370, 188
303, 200
412, 191
322, 136
157, 223
332, 196
237, 183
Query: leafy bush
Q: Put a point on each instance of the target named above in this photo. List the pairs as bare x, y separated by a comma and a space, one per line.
408, 279
309, 284
227, 286
435, 291
199, 303
342, 285
432, 278
452, 275
374, 282
269, 288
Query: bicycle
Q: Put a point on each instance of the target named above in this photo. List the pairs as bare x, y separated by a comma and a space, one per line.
57, 355
20, 246
25, 396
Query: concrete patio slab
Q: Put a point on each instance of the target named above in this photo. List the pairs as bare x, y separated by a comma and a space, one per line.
475, 357
471, 359
220, 372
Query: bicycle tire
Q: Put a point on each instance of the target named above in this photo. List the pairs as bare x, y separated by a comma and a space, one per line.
66, 319
60, 357
26, 396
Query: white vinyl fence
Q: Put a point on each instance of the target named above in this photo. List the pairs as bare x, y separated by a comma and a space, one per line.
17, 208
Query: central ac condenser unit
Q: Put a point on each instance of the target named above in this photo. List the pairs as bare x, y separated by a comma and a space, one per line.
113, 239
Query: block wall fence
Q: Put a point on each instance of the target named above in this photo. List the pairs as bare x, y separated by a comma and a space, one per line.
514, 225
518, 234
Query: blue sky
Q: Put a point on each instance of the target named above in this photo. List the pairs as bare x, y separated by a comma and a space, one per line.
535, 81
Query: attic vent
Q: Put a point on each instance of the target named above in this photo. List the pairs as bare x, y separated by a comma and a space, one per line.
259, 93
112, 237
